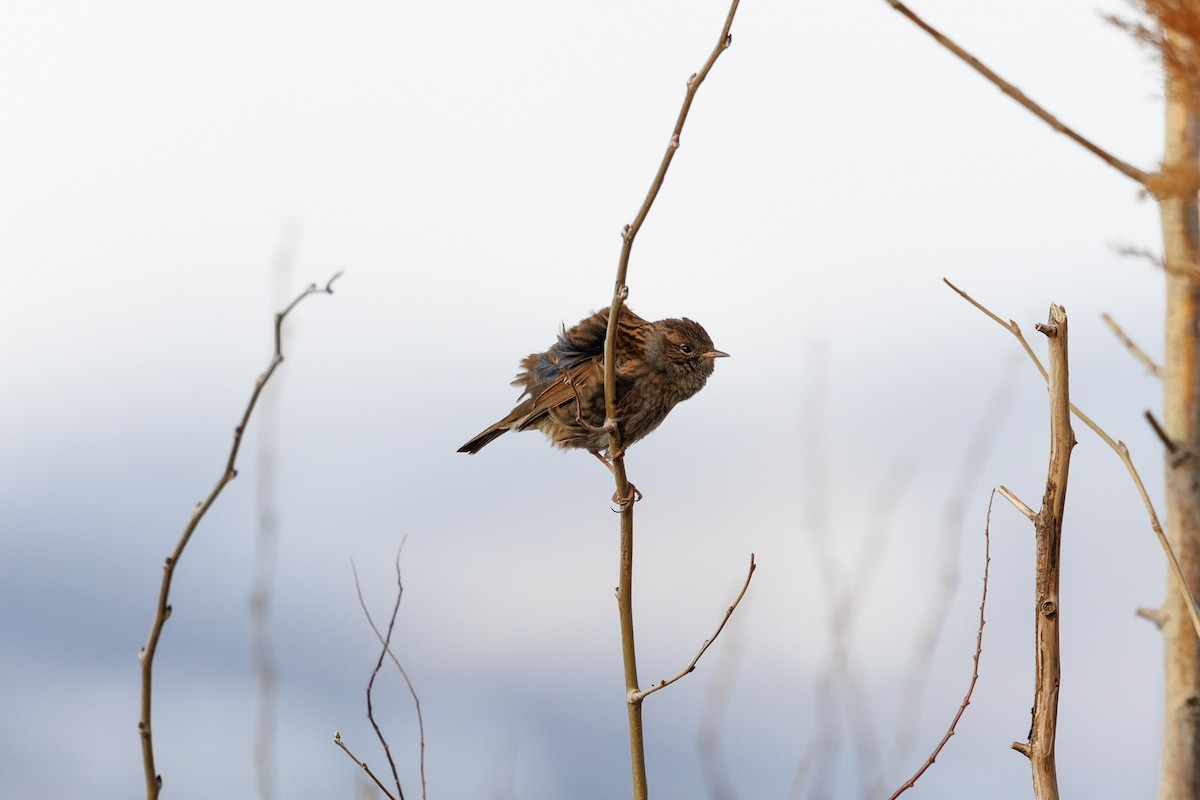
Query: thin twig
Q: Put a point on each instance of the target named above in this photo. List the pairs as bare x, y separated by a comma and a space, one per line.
1131, 346
966, 701
163, 608
625, 495
1122, 452
639, 696
1038, 111
337, 739
385, 641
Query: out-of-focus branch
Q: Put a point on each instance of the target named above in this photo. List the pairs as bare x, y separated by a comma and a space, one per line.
940, 600
1131, 346
626, 495
163, 608
1122, 452
640, 695
1038, 111
966, 701
266, 546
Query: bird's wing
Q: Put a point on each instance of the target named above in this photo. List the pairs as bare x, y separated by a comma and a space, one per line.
571, 383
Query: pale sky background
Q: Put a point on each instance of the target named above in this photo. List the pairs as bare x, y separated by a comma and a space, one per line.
470, 166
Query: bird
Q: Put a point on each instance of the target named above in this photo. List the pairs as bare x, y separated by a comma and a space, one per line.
659, 365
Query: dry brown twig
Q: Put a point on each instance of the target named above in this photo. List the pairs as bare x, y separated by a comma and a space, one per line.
163, 608
966, 701
1047, 523
642, 695
625, 494
1038, 111
1122, 452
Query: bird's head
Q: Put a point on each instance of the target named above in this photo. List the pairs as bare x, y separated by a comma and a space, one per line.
683, 350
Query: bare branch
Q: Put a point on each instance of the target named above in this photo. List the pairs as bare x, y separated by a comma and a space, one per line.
1122, 452
1038, 111
1132, 347
966, 701
642, 695
385, 640
1047, 524
626, 495
163, 608
337, 739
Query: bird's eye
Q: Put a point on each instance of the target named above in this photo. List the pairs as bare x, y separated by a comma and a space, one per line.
687, 348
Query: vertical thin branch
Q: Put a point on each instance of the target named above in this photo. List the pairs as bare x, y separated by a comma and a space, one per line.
163, 608
1047, 525
625, 493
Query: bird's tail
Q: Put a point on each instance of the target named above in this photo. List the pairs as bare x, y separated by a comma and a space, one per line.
480, 441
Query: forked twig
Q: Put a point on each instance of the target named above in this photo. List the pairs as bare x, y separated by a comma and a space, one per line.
163, 608
386, 641
1038, 111
641, 695
966, 701
1122, 452
387, 751
337, 739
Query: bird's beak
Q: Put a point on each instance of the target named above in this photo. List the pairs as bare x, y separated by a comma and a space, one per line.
714, 354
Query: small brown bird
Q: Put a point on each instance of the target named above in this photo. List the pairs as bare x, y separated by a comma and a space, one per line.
659, 364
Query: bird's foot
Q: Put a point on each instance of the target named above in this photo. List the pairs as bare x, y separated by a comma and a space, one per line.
629, 499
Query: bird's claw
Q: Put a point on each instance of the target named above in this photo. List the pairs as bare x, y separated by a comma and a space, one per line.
628, 500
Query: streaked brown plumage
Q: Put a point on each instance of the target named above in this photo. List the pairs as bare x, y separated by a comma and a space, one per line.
659, 364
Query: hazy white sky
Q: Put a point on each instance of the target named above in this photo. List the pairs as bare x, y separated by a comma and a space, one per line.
469, 166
